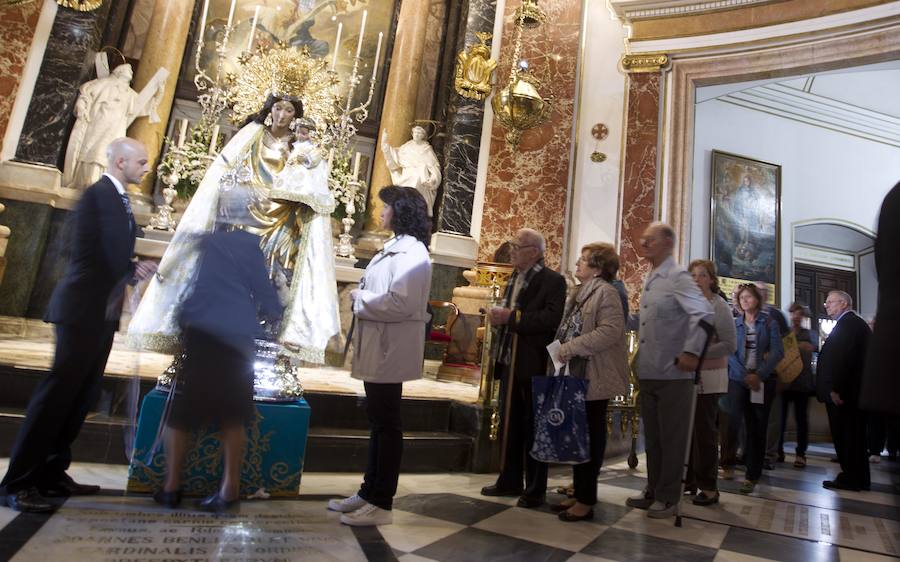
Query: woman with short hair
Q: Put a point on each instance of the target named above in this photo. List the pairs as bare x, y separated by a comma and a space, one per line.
703, 465
751, 377
388, 346
593, 328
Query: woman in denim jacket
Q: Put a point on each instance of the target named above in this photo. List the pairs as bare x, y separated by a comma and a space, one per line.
752, 368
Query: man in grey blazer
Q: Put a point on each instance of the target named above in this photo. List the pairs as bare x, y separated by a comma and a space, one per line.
671, 341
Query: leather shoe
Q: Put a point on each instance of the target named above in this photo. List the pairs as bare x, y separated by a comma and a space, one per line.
29, 500
217, 504
837, 484
66, 486
530, 502
563, 506
571, 518
167, 499
498, 491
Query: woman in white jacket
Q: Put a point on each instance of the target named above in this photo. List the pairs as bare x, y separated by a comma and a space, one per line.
388, 346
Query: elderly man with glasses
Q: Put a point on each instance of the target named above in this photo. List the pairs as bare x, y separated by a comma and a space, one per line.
839, 372
530, 313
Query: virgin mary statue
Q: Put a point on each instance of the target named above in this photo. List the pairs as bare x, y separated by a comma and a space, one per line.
272, 176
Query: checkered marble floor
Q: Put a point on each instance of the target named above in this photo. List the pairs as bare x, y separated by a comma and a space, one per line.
442, 517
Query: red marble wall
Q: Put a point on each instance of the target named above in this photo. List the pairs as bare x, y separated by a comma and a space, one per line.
527, 187
17, 25
639, 177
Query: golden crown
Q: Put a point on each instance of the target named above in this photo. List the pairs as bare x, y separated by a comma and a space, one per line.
284, 72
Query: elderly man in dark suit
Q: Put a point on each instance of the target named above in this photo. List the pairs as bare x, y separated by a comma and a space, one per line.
531, 312
839, 373
85, 308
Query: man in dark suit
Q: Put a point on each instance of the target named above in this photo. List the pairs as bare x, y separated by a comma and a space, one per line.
531, 312
839, 374
85, 308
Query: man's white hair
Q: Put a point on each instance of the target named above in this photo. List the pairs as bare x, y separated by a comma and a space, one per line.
844, 297
534, 237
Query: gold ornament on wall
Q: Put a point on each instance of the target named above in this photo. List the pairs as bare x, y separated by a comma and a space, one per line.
81, 5
599, 132
530, 15
474, 69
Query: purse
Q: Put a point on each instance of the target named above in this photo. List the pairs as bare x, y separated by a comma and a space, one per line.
791, 365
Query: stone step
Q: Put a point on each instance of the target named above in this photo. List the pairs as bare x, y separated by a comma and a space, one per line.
102, 440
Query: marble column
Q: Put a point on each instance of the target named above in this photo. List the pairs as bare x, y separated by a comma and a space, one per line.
400, 99
527, 186
465, 118
164, 47
17, 25
68, 63
639, 181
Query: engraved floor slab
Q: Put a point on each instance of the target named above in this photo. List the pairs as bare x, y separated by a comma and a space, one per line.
128, 528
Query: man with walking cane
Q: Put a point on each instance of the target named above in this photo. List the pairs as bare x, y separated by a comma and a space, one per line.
671, 342
531, 310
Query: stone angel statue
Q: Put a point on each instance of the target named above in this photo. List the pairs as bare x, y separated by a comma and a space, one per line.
414, 164
105, 107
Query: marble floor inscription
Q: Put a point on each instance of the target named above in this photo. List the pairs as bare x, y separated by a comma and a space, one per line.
130, 529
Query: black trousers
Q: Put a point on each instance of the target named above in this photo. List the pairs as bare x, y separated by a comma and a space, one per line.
519, 440
848, 431
704, 459
385, 443
756, 421
586, 473
800, 400
57, 409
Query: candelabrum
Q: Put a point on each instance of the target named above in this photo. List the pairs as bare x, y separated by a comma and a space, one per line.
345, 239
163, 219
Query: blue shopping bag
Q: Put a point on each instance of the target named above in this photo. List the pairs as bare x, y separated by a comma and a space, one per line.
560, 420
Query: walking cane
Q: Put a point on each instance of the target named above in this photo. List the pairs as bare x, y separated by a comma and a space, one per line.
690, 436
510, 377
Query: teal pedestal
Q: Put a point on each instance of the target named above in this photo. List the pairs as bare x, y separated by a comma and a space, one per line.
273, 463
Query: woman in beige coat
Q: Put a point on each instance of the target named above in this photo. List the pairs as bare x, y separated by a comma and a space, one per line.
597, 306
388, 347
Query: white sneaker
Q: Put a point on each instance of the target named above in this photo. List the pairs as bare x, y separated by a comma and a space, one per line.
367, 516
347, 505
660, 510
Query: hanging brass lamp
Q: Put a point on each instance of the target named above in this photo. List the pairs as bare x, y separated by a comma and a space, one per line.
520, 106
529, 15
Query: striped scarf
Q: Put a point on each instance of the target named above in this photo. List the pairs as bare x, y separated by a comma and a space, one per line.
504, 336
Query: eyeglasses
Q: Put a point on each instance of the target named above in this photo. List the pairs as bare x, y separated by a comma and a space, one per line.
516, 246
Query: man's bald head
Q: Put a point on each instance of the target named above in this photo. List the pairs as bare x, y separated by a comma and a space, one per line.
657, 243
127, 160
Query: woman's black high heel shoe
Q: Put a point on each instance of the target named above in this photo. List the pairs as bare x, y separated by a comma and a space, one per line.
167, 499
217, 504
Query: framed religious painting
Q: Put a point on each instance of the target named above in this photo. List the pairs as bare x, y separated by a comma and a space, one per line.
745, 221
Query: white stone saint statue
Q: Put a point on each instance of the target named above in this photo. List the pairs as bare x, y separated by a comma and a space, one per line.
414, 165
105, 107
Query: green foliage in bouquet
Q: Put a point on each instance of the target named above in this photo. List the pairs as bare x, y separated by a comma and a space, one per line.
189, 162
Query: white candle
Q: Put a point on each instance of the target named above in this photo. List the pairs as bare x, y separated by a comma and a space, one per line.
356, 167
362, 32
212, 142
377, 54
337, 45
231, 12
203, 18
182, 132
253, 29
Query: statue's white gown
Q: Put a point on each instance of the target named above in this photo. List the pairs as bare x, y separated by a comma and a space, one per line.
311, 312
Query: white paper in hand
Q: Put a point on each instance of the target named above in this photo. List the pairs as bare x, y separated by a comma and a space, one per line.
553, 350
756, 396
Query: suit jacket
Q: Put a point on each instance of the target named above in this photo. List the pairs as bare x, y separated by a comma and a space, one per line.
100, 266
842, 359
231, 291
541, 306
881, 381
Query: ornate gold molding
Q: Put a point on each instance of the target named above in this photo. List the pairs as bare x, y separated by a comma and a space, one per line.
644, 62
81, 5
